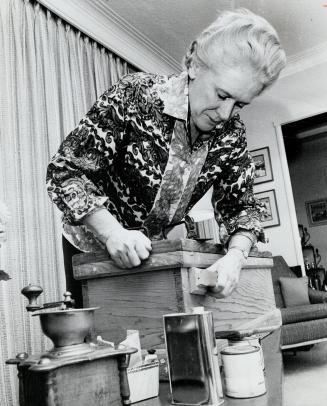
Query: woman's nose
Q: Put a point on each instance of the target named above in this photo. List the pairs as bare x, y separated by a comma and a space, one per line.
226, 108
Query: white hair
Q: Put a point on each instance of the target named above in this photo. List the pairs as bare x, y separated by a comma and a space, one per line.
239, 36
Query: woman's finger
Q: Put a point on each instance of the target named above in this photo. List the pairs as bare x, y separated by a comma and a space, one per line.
147, 242
141, 250
133, 258
118, 261
227, 289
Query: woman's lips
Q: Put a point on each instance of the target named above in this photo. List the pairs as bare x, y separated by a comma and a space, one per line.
215, 122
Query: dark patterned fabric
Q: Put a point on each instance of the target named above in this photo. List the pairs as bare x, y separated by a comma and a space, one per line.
118, 154
177, 183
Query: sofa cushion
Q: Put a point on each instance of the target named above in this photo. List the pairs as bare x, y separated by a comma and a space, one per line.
303, 313
279, 269
295, 333
294, 291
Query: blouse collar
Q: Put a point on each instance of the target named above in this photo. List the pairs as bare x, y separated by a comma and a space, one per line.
174, 94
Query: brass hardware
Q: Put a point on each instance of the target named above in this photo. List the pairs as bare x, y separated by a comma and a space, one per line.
67, 327
32, 292
19, 358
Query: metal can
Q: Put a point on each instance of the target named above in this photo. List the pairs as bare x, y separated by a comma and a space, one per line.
193, 367
243, 373
249, 340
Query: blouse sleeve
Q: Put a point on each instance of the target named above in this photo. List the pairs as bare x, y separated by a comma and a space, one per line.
233, 200
76, 173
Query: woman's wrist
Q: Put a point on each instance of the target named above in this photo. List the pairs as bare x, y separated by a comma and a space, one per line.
102, 223
242, 242
239, 252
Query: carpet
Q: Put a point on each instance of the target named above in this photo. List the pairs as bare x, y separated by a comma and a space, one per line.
305, 377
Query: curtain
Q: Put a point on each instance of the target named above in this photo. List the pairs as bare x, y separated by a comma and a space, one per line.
50, 75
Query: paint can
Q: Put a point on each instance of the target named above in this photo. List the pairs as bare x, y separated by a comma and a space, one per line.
243, 372
250, 340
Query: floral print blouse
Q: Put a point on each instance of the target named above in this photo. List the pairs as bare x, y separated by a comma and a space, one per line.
132, 150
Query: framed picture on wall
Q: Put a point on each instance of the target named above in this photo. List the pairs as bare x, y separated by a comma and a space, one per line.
317, 212
263, 170
268, 198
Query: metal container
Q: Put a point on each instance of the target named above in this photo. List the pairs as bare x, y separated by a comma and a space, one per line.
192, 358
243, 372
67, 327
253, 340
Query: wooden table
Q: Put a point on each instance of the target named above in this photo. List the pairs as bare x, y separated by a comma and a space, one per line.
269, 399
274, 381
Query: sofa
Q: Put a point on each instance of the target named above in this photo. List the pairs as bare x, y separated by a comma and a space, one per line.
302, 324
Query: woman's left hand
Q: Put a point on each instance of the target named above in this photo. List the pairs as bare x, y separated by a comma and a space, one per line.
228, 268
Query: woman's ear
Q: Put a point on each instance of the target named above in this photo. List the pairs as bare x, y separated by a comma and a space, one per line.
193, 66
192, 70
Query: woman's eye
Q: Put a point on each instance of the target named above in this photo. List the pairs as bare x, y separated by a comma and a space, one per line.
222, 97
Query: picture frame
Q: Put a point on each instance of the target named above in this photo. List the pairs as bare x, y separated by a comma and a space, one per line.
268, 198
317, 212
263, 169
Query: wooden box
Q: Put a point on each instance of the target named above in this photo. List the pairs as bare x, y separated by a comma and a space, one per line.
138, 298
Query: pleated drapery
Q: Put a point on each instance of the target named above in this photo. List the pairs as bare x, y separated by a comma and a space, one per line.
50, 75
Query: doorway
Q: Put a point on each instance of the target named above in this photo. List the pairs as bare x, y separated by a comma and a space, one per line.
305, 144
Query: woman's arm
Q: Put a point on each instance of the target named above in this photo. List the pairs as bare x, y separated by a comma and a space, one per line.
76, 174
237, 212
233, 200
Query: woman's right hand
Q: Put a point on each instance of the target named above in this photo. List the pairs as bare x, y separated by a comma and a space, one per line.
128, 248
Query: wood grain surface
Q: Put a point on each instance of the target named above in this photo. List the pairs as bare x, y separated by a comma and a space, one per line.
98, 264
135, 302
139, 302
93, 383
138, 298
252, 298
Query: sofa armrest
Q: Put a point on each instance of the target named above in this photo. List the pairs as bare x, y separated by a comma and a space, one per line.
317, 296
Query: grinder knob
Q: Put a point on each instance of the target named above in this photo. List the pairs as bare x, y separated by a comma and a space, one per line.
32, 292
68, 301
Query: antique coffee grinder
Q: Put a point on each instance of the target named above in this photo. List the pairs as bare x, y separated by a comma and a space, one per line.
76, 371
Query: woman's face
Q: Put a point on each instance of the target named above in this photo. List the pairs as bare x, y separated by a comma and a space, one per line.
215, 95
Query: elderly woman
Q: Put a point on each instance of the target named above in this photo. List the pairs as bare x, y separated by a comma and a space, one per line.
152, 146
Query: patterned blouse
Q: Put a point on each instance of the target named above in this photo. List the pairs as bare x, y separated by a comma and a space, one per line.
131, 153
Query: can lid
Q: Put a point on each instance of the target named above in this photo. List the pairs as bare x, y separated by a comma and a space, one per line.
198, 310
239, 349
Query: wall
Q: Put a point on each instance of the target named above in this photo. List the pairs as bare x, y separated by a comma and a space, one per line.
309, 182
293, 97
